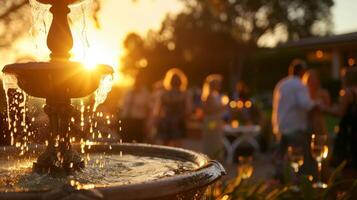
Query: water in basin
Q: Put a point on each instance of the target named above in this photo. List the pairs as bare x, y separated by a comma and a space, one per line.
101, 170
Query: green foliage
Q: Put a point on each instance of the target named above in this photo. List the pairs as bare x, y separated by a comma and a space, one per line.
238, 189
336, 173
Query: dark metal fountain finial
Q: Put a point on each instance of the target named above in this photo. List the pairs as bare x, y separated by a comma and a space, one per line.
59, 39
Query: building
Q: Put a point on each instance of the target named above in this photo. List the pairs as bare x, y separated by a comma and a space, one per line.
330, 53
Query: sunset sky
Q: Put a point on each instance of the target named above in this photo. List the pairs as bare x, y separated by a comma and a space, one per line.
119, 17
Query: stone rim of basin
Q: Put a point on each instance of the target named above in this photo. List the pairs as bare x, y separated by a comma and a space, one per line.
208, 172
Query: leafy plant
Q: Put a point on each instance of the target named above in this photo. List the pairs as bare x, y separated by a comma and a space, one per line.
239, 189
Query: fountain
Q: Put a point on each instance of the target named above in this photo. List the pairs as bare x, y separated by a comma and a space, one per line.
60, 80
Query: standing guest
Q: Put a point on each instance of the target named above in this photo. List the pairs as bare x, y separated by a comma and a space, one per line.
155, 96
246, 111
319, 95
135, 111
173, 108
213, 109
156, 93
291, 107
241, 91
345, 144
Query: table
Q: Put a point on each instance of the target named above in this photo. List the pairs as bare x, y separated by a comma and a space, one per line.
245, 133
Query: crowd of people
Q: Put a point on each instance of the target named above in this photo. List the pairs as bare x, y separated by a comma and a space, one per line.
161, 116
299, 109
300, 105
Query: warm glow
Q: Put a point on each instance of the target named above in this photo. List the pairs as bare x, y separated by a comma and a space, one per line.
351, 62
100, 51
225, 197
235, 124
96, 53
240, 104
233, 104
342, 93
319, 54
248, 104
225, 99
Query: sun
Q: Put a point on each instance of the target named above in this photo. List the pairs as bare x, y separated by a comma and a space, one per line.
94, 54
100, 52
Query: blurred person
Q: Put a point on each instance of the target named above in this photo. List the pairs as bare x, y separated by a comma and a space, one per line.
173, 107
213, 109
155, 96
196, 96
291, 107
317, 121
242, 91
245, 109
345, 147
194, 121
319, 95
135, 111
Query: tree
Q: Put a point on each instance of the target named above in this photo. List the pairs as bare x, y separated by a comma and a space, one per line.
250, 20
216, 36
14, 17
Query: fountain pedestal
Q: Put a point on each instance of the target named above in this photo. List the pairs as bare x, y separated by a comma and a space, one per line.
59, 157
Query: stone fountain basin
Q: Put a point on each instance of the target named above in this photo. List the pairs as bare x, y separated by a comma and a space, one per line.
188, 185
57, 79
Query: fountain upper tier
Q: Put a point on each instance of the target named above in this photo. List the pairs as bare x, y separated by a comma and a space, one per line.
51, 79
59, 79
60, 1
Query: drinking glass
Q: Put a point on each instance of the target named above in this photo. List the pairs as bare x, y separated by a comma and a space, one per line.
245, 166
295, 157
319, 151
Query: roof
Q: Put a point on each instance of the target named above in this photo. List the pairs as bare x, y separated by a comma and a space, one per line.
348, 39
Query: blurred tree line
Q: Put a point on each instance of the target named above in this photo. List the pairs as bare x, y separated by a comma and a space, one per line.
227, 37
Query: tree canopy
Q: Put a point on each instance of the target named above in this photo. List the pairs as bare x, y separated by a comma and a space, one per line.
14, 18
216, 36
250, 20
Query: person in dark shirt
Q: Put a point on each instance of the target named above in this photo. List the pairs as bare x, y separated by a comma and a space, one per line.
345, 143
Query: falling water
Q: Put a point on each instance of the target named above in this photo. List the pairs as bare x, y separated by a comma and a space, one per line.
18, 124
41, 21
17, 109
101, 93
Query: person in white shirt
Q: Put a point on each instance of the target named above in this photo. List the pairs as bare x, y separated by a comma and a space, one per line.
291, 107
